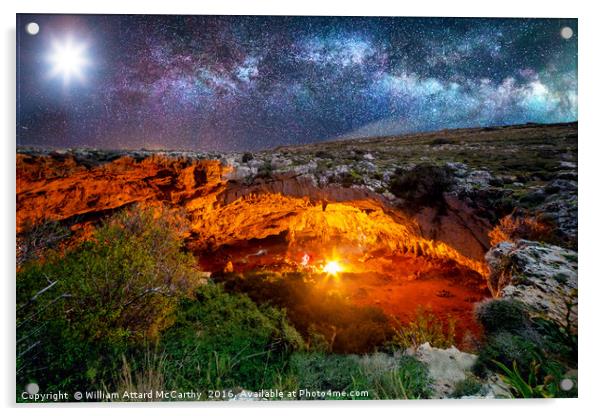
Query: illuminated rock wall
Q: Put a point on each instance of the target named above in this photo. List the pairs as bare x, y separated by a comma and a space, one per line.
222, 212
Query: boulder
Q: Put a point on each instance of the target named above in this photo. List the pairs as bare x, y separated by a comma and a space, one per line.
542, 276
446, 366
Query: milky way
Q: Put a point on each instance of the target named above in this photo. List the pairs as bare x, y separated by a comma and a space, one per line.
250, 82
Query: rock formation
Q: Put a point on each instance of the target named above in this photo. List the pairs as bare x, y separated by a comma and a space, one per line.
542, 276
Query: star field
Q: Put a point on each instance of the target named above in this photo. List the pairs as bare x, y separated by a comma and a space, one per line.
254, 82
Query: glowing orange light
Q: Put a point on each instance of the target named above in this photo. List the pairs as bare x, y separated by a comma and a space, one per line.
332, 267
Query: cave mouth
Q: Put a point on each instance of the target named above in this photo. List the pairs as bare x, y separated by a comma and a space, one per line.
382, 262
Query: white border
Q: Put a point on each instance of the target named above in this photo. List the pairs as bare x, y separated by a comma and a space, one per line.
590, 169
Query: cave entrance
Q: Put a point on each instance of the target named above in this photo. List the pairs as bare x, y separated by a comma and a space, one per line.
365, 254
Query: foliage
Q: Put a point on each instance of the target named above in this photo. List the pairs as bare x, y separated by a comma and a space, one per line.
501, 315
470, 386
265, 171
532, 353
37, 238
425, 327
507, 348
322, 372
518, 226
120, 288
440, 141
383, 376
424, 185
146, 373
560, 337
408, 378
531, 386
222, 340
325, 319
348, 179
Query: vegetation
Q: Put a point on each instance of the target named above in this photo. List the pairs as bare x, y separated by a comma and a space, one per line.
497, 315
426, 327
408, 378
528, 388
324, 372
470, 386
532, 355
241, 343
265, 171
118, 289
424, 185
519, 225
502, 273
127, 310
38, 238
329, 321
381, 375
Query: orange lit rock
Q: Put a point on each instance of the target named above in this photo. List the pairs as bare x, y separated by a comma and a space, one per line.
352, 220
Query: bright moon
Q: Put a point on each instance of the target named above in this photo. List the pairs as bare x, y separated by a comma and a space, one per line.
32, 28
68, 60
566, 32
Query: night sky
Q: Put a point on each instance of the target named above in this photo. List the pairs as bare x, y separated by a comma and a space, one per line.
254, 82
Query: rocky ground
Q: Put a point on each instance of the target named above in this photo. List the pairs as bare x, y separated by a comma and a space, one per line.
496, 169
501, 201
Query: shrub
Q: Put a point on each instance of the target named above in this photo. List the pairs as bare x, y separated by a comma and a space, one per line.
324, 154
440, 141
407, 378
223, 340
324, 372
425, 327
507, 348
348, 179
146, 373
76, 311
540, 381
560, 340
518, 226
326, 319
470, 386
37, 238
265, 171
247, 157
497, 315
424, 185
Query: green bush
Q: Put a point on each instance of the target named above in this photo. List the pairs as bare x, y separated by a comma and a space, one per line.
470, 386
323, 372
424, 185
383, 376
408, 378
425, 327
76, 310
38, 238
497, 315
507, 348
223, 340
327, 320
265, 171
440, 141
560, 340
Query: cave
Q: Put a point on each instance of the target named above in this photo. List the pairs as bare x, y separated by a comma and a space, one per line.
347, 242
367, 253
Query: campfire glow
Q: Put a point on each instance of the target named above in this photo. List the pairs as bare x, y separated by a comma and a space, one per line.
332, 267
